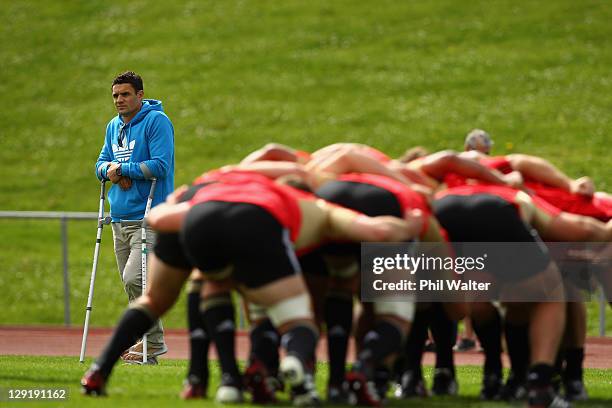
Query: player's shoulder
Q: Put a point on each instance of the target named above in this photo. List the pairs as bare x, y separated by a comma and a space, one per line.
113, 123
157, 115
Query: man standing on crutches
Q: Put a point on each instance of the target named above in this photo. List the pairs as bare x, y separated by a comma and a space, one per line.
138, 147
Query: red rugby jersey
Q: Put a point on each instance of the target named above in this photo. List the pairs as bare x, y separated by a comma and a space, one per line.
252, 188
499, 163
570, 202
555, 196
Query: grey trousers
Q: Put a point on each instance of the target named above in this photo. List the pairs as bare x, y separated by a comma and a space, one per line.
127, 239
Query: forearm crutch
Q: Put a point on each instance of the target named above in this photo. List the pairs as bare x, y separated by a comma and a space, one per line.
101, 222
144, 259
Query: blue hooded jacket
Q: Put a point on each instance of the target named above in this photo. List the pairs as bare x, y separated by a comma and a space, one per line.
146, 150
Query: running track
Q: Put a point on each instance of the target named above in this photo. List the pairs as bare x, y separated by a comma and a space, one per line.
59, 341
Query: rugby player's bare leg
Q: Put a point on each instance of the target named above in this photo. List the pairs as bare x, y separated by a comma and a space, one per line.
164, 288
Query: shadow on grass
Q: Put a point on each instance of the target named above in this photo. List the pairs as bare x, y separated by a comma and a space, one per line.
441, 402
446, 402
473, 401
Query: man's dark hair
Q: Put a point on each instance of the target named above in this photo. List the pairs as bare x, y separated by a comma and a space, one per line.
129, 77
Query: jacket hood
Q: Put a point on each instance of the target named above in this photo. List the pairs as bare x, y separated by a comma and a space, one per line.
148, 105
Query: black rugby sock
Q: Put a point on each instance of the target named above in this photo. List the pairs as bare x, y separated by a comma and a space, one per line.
574, 358
489, 335
264, 345
540, 375
301, 341
339, 322
198, 340
218, 318
134, 323
415, 343
517, 341
444, 332
379, 343
559, 360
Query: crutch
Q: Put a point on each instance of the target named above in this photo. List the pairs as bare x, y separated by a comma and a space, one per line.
144, 259
101, 221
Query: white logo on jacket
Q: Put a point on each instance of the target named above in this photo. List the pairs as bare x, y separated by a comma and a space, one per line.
123, 154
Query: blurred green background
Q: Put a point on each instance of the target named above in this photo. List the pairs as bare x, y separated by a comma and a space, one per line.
234, 75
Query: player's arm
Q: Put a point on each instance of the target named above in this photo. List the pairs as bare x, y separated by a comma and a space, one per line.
346, 224
326, 151
272, 152
412, 172
437, 165
349, 160
169, 215
271, 169
571, 227
432, 231
540, 170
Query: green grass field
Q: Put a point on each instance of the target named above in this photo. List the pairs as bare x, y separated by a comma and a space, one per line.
136, 386
234, 75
